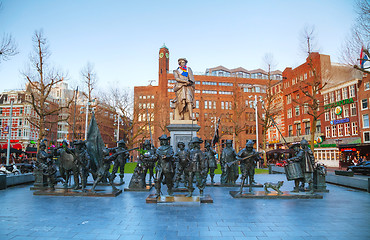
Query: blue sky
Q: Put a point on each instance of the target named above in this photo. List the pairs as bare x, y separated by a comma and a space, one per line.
122, 38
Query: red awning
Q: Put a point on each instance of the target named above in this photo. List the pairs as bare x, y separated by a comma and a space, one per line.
17, 146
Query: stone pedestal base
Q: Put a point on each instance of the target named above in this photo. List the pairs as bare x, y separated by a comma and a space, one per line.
182, 131
275, 195
87, 193
179, 199
232, 185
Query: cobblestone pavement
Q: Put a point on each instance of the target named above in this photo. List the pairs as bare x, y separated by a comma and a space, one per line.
342, 214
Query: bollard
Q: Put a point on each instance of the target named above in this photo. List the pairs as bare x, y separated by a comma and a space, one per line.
2, 181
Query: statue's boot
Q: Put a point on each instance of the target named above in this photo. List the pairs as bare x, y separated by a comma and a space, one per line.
296, 187
121, 181
212, 181
201, 192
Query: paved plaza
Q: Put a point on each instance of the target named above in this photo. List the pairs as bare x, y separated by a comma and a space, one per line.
343, 213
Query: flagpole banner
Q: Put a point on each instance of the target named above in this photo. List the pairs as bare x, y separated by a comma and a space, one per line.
94, 144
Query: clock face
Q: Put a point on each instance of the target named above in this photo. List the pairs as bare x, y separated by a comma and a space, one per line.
161, 55
167, 55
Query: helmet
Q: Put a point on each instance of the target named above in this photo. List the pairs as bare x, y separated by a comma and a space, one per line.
164, 137
180, 143
121, 143
304, 142
196, 140
249, 144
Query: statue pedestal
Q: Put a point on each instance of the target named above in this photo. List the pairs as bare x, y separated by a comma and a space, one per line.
182, 131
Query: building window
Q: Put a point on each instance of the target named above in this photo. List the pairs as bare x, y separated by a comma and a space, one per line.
366, 136
332, 114
340, 130
345, 111
222, 105
305, 108
345, 93
20, 122
205, 104
307, 128
332, 99
209, 92
209, 83
290, 129
337, 95
318, 126
364, 104
298, 129
353, 109
326, 99
214, 104
327, 116
354, 128
226, 84
289, 98
365, 121
289, 113
367, 86
327, 132
346, 129
352, 91
297, 110
197, 104
334, 131
225, 92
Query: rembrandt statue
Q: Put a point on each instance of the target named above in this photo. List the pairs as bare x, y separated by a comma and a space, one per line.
184, 90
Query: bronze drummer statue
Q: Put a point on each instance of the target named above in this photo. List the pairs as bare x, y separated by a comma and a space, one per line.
301, 167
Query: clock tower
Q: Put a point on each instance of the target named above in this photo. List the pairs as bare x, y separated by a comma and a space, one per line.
164, 56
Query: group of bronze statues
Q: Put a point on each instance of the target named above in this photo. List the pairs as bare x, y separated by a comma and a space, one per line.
171, 168
77, 161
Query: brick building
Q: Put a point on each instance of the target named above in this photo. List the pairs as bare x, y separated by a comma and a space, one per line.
223, 93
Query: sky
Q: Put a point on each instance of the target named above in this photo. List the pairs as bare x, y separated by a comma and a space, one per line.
121, 39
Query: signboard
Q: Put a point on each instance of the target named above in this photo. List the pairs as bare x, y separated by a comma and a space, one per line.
348, 150
343, 102
344, 120
338, 110
6, 130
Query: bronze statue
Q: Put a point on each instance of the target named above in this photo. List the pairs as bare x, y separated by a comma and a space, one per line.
303, 164
45, 163
68, 164
197, 167
83, 161
165, 165
230, 173
248, 158
182, 160
274, 186
184, 90
103, 170
209, 154
120, 160
148, 160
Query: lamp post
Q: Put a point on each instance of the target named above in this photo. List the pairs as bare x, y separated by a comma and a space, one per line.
10, 131
87, 115
256, 111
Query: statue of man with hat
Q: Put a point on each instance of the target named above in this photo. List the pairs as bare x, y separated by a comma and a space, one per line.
182, 160
165, 165
210, 158
148, 160
184, 90
83, 161
306, 160
197, 167
45, 163
229, 173
120, 161
248, 158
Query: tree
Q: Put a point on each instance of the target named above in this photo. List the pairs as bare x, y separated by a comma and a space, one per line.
8, 47
41, 78
359, 38
268, 108
89, 80
317, 78
121, 102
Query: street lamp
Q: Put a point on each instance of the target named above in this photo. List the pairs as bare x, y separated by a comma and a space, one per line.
256, 110
10, 131
87, 114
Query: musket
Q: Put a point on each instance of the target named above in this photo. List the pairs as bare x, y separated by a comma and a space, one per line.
242, 159
117, 153
273, 122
